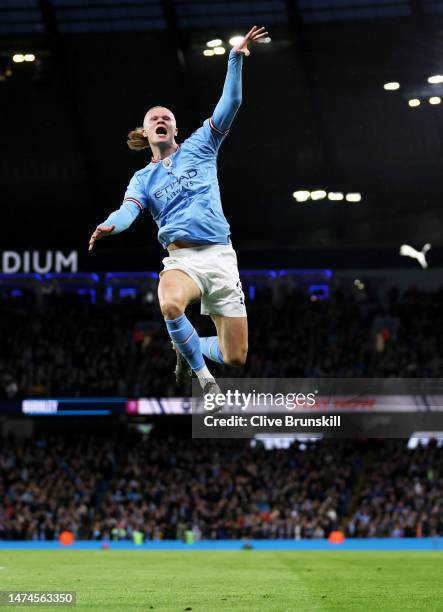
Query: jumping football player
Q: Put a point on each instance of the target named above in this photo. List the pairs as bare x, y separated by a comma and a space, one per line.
180, 189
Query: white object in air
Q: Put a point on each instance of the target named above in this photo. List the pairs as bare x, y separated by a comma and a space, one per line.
420, 256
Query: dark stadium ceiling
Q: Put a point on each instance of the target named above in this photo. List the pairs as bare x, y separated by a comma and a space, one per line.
24, 16
100, 64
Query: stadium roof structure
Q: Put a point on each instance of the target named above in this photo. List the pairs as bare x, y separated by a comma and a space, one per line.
315, 116
24, 16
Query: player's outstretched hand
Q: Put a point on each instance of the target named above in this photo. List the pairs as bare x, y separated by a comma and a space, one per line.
255, 34
100, 232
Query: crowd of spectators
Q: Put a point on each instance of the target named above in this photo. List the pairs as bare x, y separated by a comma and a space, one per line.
228, 490
65, 345
51, 485
163, 488
402, 494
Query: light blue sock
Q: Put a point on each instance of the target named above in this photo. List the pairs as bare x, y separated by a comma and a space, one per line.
186, 339
211, 349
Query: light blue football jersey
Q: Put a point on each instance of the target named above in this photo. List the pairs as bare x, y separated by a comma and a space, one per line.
181, 191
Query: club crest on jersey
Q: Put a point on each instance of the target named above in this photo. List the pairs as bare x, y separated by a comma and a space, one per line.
175, 187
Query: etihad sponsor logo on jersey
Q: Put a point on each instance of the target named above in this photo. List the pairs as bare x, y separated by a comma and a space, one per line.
174, 188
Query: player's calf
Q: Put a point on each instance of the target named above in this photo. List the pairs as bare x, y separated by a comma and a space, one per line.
186, 342
233, 356
236, 358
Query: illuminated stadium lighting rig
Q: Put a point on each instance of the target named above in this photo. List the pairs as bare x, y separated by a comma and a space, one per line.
433, 101
5, 72
215, 48
214, 51
320, 194
301, 196
234, 40
358, 284
216, 42
423, 96
436, 79
353, 197
335, 196
19, 58
391, 86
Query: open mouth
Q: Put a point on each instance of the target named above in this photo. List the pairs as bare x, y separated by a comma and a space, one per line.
161, 131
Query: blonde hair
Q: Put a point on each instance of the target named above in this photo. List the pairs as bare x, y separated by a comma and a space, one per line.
136, 141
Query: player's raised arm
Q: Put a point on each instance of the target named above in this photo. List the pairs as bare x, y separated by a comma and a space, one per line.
231, 98
121, 219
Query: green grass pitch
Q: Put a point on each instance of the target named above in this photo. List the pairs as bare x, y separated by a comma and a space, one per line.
242, 581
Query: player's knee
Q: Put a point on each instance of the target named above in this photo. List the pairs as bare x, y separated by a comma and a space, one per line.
172, 307
236, 358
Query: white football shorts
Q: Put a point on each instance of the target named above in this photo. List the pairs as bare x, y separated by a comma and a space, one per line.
214, 270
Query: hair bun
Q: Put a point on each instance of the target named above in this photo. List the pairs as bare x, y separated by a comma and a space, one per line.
136, 141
